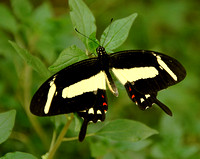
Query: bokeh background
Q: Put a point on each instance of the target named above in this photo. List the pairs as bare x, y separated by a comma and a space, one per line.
45, 29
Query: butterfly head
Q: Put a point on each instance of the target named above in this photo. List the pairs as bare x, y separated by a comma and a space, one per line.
101, 50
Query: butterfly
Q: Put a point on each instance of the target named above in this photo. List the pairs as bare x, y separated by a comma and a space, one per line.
81, 87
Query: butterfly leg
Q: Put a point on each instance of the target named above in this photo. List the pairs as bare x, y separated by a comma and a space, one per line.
145, 101
95, 113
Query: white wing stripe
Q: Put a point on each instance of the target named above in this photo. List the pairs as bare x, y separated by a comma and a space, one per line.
52, 91
134, 74
87, 85
164, 66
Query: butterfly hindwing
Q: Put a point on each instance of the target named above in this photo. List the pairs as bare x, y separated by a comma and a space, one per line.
95, 113
145, 101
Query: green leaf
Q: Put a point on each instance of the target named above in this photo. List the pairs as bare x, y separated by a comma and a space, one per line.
18, 155
67, 57
42, 13
7, 121
117, 32
22, 9
126, 130
77, 122
132, 146
98, 149
82, 19
7, 20
46, 47
33, 61
93, 43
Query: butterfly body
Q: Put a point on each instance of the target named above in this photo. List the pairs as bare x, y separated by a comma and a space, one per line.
81, 87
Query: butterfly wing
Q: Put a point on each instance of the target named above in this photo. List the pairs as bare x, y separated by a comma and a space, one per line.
150, 71
144, 73
78, 88
72, 89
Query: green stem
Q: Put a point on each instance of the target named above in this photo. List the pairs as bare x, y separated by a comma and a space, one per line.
60, 138
76, 138
53, 140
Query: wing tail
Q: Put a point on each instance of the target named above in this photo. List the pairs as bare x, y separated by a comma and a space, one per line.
163, 107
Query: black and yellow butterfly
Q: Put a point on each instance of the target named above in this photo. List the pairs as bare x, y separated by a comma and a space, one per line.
81, 87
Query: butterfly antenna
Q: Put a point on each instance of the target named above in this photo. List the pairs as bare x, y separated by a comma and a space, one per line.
86, 36
108, 31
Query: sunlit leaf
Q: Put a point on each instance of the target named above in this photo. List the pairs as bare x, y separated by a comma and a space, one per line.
82, 19
67, 57
117, 32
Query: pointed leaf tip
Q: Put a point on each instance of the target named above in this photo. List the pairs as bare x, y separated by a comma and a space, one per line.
117, 32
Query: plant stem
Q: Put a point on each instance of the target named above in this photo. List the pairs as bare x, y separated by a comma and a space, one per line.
53, 140
76, 138
60, 138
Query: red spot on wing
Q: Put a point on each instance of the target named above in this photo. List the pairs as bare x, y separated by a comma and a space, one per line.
102, 96
130, 89
105, 104
133, 96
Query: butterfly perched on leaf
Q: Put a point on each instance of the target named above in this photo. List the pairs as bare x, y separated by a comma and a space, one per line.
81, 87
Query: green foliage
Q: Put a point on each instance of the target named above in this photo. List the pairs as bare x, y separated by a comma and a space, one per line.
83, 20
67, 57
126, 130
17, 155
7, 121
116, 149
33, 61
7, 20
22, 9
117, 32
37, 35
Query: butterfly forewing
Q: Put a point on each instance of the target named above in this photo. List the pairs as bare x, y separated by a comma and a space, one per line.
149, 71
70, 90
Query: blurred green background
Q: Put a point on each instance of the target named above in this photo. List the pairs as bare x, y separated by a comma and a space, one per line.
44, 28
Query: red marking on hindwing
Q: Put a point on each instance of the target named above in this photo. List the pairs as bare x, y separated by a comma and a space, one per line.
105, 104
133, 96
102, 96
130, 89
